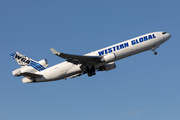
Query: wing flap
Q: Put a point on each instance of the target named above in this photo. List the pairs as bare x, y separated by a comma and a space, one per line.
79, 58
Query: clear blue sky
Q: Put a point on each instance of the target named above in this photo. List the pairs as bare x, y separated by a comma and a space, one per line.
142, 87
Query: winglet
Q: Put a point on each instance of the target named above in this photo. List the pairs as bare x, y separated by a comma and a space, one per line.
55, 52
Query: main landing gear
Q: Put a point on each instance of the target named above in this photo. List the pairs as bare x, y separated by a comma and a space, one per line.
90, 70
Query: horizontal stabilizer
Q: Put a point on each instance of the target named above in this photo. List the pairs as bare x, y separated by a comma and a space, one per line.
15, 72
31, 75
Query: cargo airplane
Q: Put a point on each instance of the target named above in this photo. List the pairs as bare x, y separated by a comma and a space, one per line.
77, 65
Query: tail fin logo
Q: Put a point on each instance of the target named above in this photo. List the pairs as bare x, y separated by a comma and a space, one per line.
22, 60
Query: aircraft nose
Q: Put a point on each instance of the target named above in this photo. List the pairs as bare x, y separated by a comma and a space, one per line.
168, 35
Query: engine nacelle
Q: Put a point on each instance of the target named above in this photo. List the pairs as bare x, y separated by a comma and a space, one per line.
44, 63
109, 58
31, 69
108, 66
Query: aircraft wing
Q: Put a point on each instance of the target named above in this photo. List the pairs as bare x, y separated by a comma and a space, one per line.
77, 58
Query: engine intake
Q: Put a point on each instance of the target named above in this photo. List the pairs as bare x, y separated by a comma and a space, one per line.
109, 58
108, 66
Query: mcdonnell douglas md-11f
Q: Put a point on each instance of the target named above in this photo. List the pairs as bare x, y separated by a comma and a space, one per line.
77, 65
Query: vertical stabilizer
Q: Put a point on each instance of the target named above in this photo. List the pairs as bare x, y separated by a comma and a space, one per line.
21, 59
27, 64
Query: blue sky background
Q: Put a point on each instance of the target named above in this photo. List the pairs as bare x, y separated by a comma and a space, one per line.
142, 87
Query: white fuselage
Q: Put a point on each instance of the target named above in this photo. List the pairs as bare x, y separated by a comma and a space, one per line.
119, 50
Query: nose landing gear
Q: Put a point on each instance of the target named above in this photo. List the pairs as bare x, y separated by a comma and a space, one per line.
153, 49
155, 53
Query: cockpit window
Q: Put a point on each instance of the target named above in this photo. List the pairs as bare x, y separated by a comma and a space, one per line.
163, 33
